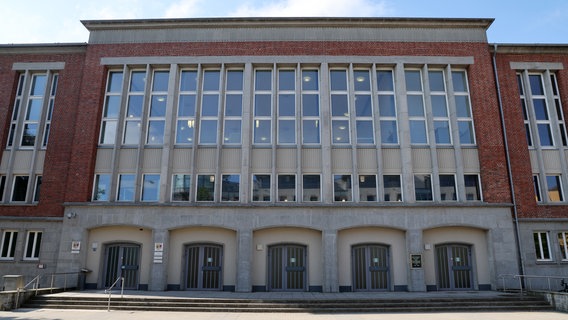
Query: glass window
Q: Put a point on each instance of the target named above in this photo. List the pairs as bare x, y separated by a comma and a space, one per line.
2, 187
126, 187
423, 187
415, 102
311, 187
33, 244
20, 189
542, 246
205, 188
16, 111
262, 107
8, 248
563, 243
367, 188
135, 105
230, 187
472, 187
151, 187
49, 115
261, 187
463, 108
310, 107
536, 185
448, 187
286, 106
440, 114
233, 107
101, 190
392, 187
181, 185
186, 107
286, 187
339, 99
559, 112
157, 111
209, 107
342, 190
365, 132
37, 189
555, 193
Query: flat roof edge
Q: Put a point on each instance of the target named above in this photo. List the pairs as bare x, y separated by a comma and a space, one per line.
385, 22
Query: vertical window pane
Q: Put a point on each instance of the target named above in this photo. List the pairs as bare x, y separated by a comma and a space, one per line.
29, 134
286, 105
151, 187
263, 105
442, 132
363, 107
459, 81
311, 131
418, 132
232, 134
38, 85
311, 187
389, 133
462, 107
536, 85
413, 80
286, 80
160, 81
37, 190
310, 105
205, 188
393, 190
286, 131
423, 187
365, 132
235, 80
472, 189
137, 81
415, 106
132, 132
186, 105
362, 81
233, 105
338, 80
8, 248
184, 133
112, 107
126, 186
439, 108
466, 132
367, 188
208, 132
210, 105
114, 82
436, 79
181, 186
156, 132
20, 188
448, 188
555, 193
286, 187
263, 80
230, 187
261, 187
544, 134
342, 188
262, 132
101, 190
340, 131
34, 109
135, 106
310, 80
211, 80
385, 80
563, 243
386, 106
188, 80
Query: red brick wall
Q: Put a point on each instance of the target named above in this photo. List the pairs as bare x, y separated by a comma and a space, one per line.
519, 151
482, 87
60, 143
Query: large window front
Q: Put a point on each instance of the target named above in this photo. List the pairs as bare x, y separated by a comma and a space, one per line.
542, 246
33, 245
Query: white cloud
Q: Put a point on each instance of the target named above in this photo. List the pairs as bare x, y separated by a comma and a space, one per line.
314, 8
182, 9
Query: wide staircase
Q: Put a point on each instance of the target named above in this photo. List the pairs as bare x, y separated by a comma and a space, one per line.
499, 302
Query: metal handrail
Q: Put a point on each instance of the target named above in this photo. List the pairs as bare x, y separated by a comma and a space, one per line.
109, 290
520, 277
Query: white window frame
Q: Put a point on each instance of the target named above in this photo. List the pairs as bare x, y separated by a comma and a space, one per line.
127, 118
563, 239
183, 175
36, 245
336, 139
258, 119
190, 120
466, 95
233, 92
295, 199
155, 119
303, 189
13, 237
300, 110
202, 94
539, 248
104, 131
144, 187
439, 118
385, 118
417, 118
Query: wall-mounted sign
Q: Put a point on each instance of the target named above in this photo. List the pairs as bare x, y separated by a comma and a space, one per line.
75, 246
416, 261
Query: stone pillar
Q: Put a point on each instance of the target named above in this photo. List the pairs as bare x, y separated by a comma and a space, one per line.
415, 246
244, 261
329, 259
159, 270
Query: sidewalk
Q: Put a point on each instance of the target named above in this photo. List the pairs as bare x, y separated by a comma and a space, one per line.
45, 314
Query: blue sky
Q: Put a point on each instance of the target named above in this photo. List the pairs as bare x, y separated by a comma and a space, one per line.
516, 21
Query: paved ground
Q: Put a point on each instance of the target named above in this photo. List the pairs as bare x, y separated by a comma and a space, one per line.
51, 314
45, 314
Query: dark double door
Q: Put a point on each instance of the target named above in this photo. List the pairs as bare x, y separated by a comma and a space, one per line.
122, 260
454, 267
287, 268
204, 267
370, 265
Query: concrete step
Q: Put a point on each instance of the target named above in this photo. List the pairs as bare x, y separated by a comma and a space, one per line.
509, 303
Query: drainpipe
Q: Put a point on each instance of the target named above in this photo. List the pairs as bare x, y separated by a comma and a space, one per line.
509, 170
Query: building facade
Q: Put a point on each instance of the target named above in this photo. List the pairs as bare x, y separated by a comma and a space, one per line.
313, 154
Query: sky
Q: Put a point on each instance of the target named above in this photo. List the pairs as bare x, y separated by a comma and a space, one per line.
59, 21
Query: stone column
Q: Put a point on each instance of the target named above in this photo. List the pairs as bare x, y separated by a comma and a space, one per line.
329, 259
158, 274
415, 245
244, 261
